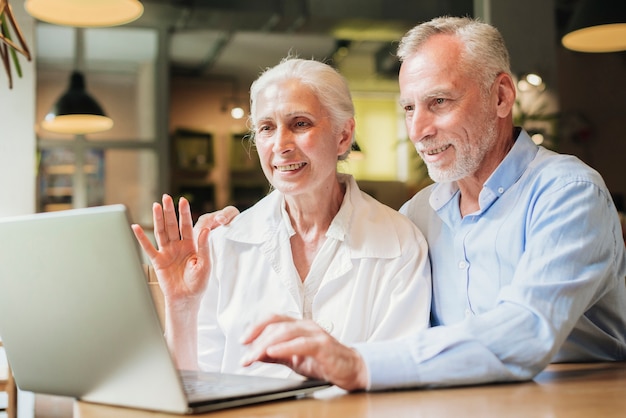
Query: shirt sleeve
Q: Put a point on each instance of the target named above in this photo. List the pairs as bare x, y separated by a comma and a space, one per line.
573, 256
211, 338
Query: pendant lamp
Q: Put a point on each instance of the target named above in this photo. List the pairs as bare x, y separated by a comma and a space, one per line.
76, 112
85, 13
597, 26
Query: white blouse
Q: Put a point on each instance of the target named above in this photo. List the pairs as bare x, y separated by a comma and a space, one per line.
369, 281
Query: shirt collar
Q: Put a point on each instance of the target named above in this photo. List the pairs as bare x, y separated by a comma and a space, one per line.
270, 212
262, 221
503, 177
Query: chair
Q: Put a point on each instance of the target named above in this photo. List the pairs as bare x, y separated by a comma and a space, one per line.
7, 384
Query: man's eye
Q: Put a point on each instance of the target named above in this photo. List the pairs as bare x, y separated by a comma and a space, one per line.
439, 100
408, 108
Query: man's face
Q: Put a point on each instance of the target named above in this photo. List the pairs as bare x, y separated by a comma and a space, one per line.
450, 120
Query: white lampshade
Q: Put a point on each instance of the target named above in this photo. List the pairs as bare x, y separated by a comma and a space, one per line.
85, 13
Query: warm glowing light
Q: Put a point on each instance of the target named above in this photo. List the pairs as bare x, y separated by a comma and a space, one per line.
537, 138
601, 38
534, 79
237, 112
77, 124
85, 13
531, 81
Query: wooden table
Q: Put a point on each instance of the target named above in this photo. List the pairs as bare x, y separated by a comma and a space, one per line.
567, 390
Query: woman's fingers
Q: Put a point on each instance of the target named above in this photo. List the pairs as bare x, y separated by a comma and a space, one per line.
171, 220
203, 245
276, 332
159, 225
144, 241
307, 349
185, 221
254, 330
170, 226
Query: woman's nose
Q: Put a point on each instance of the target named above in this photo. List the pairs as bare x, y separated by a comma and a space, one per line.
283, 141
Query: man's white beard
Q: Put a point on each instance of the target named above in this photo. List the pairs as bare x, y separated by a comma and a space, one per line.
468, 158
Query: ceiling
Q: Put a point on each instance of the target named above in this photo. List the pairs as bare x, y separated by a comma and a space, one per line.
223, 37
239, 38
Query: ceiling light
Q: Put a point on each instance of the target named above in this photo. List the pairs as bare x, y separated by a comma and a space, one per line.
76, 112
237, 112
85, 13
530, 81
597, 26
537, 138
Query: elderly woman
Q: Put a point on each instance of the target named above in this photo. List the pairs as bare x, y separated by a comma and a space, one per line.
316, 247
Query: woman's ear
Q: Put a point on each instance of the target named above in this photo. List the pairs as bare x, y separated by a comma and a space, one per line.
346, 135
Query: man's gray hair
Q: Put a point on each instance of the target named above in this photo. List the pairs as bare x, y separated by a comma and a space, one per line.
485, 51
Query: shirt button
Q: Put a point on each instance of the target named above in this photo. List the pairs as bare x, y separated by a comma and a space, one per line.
326, 325
467, 313
462, 265
500, 190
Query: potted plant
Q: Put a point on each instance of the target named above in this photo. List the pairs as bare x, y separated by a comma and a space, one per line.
8, 46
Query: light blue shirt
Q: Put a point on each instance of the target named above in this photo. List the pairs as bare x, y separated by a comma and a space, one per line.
536, 275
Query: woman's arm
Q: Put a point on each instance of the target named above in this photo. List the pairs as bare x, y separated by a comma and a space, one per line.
182, 267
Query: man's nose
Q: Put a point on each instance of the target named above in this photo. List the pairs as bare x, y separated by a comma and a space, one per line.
420, 125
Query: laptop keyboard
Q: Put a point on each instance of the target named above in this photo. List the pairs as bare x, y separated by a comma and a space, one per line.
200, 385
204, 386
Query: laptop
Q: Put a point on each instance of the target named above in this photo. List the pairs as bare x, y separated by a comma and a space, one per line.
77, 319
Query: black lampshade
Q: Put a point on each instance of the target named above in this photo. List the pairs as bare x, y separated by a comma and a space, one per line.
76, 112
597, 26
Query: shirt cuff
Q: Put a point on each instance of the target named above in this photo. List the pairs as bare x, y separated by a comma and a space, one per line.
390, 364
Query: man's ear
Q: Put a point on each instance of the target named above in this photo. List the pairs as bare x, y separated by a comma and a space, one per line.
505, 91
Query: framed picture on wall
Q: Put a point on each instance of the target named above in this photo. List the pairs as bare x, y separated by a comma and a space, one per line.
193, 150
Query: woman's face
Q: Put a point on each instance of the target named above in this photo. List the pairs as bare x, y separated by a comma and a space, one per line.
297, 144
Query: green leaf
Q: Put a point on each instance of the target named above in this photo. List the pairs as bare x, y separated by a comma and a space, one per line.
7, 34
